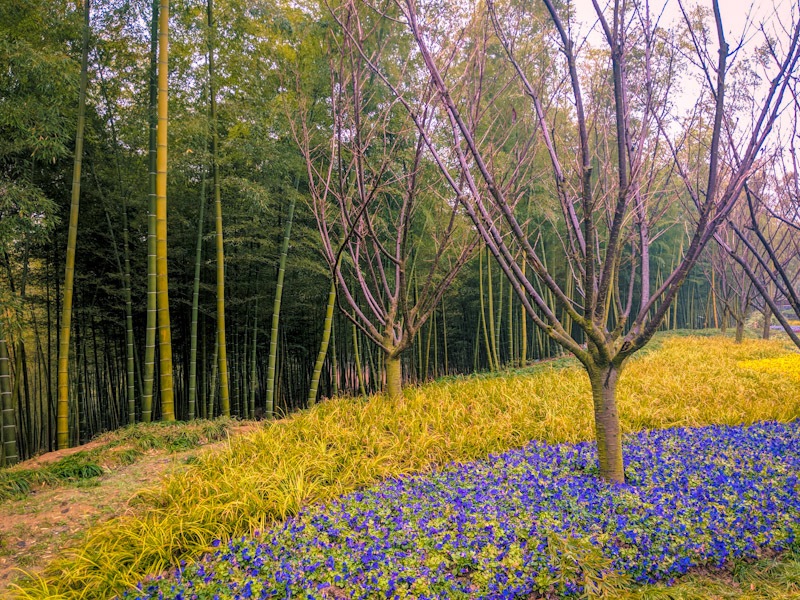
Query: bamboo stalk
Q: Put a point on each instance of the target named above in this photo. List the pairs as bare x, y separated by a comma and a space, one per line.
62, 430
166, 388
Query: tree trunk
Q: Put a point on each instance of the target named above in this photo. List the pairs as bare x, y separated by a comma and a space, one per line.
739, 330
394, 376
765, 331
606, 418
62, 429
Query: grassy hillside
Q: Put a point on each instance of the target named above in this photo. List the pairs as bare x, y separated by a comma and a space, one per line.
345, 444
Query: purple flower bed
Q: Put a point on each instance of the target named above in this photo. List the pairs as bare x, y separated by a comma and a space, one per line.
528, 521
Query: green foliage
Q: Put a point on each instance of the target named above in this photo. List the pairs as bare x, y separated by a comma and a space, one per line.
76, 468
172, 437
347, 443
14, 484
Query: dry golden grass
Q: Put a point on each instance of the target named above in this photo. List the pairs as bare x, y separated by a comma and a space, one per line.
347, 443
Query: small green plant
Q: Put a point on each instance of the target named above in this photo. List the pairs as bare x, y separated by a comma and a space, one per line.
14, 484
75, 467
128, 456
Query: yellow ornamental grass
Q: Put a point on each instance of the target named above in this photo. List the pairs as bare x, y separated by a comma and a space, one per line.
346, 443
782, 366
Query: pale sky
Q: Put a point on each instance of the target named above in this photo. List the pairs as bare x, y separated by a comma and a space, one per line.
735, 13
739, 17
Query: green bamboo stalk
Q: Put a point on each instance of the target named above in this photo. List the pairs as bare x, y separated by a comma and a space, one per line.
254, 366
130, 349
523, 358
512, 357
9, 436
489, 355
62, 428
125, 269
152, 302
359, 372
212, 395
276, 312
224, 388
435, 345
444, 338
323, 347
334, 363
198, 258
166, 389
126, 279
499, 320
492, 335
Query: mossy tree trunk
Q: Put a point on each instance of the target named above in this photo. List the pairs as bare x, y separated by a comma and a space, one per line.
394, 375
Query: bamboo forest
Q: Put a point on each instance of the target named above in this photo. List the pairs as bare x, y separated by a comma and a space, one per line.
413, 299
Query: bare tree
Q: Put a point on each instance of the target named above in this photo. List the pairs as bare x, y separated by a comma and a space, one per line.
392, 233
614, 190
767, 243
734, 288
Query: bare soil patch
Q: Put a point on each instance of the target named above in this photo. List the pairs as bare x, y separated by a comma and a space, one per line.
37, 528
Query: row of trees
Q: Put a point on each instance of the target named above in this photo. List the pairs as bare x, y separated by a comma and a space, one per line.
474, 187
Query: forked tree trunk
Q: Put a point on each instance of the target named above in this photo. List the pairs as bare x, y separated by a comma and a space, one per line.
606, 418
394, 376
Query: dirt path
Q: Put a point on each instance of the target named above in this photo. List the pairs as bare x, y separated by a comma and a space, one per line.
37, 528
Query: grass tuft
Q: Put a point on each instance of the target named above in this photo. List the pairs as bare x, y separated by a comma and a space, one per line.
14, 484
346, 444
75, 467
